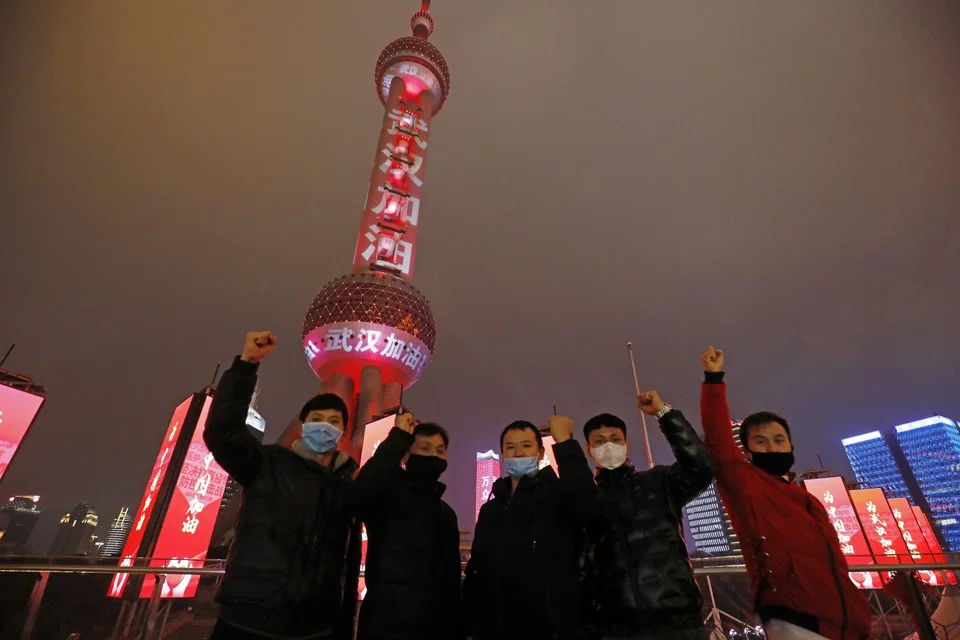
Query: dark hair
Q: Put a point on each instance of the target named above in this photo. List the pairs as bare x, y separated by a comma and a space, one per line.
755, 420
603, 420
430, 429
323, 402
521, 425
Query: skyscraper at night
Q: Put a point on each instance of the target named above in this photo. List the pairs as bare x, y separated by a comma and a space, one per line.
708, 521
919, 461
117, 535
371, 334
18, 517
76, 532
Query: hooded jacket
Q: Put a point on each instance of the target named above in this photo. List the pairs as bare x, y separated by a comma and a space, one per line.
791, 550
293, 567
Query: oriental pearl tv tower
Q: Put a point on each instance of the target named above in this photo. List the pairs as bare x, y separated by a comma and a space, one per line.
370, 334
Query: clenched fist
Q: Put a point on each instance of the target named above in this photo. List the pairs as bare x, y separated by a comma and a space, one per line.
712, 360
561, 428
407, 422
258, 346
649, 402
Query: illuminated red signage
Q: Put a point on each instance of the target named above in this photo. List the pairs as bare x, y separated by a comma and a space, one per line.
188, 525
832, 494
913, 537
931, 539
17, 411
148, 501
880, 526
184, 535
488, 472
373, 434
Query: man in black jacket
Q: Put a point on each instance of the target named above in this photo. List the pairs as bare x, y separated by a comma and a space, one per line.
413, 543
293, 567
522, 578
643, 584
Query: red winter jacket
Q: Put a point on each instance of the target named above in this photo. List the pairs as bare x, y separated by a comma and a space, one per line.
790, 548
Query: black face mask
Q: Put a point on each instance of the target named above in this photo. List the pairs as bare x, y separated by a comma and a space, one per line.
776, 463
427, 467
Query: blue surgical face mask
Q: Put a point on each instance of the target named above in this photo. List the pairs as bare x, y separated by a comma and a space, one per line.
320, 437
519, 467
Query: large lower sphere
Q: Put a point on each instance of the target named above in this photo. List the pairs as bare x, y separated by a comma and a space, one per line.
370, 319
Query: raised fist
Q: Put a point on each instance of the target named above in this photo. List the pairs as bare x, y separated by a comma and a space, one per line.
561, 428
712, 360
649, 402
406, 421
258, 346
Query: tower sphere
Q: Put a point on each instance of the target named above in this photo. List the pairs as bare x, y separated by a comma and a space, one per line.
418, 63
370, 318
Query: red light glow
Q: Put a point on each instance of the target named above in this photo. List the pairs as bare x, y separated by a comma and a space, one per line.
881, 529
17, 411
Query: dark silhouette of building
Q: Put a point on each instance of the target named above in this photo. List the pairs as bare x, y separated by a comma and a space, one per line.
17, 519
76, 533
117, 535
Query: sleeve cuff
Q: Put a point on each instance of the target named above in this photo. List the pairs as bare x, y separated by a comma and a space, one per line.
713, 377
567, 449
243, 367
403, 436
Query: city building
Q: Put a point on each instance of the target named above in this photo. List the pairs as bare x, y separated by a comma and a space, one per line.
76, 532
18, 517
117, 535
707, 520
488, 472
919, 461
370, 335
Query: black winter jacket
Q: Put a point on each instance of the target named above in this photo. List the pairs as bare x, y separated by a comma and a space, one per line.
643, 581
413, 550
293, 567
522, 580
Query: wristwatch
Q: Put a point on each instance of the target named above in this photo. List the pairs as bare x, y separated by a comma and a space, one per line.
664, 411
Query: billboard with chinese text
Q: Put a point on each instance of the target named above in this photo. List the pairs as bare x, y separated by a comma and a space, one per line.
17, 411
149, 500
913, 537
488, 471
882, 532
832, 494
184, 535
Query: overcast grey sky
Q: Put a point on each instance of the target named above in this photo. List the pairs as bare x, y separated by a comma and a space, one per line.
779, 179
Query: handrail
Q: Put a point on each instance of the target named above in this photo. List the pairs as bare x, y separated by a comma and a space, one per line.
729, 569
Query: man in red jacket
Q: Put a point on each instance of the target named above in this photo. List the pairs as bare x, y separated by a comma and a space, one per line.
799, 576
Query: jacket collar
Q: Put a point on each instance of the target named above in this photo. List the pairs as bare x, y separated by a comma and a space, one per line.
605, 476
342, 462
434, 487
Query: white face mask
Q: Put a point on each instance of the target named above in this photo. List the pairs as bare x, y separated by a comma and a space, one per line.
609, 455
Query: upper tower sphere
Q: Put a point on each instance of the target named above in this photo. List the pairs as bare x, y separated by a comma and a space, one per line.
416, 61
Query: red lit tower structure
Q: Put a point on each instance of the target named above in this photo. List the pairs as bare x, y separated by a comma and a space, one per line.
370, 334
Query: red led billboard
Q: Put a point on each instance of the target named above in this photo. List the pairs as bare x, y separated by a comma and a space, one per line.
913, 537
488, 471
17, 411
931, 539
832, 494
184, 535
880, 526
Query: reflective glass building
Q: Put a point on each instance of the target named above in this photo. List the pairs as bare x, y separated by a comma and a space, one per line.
708, 521
919, 461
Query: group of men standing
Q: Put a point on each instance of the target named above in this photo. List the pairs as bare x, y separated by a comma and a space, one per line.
556, 555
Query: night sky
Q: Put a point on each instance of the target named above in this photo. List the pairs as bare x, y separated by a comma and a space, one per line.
783, 183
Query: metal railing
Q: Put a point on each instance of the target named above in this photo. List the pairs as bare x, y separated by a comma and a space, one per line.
153, 631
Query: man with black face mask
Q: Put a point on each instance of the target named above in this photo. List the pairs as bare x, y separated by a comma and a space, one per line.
792, 552
413, 543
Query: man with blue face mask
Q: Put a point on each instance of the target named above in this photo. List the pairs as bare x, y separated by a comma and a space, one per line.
522, 580
293, 567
